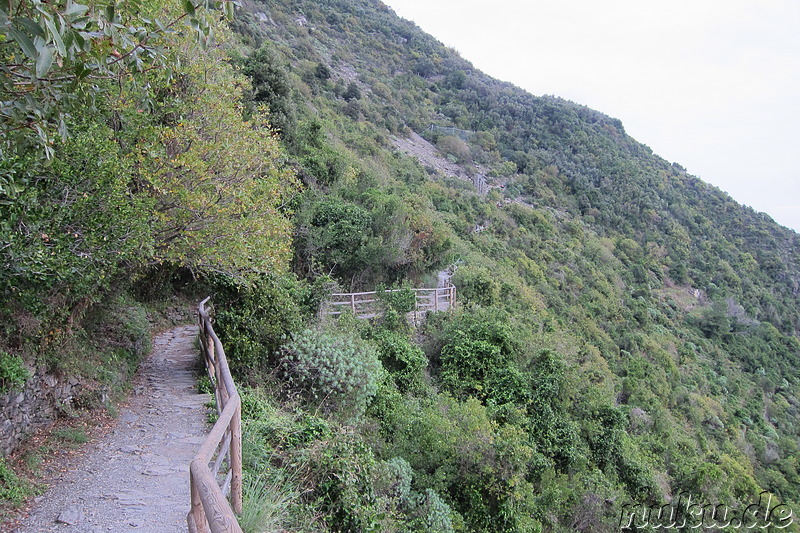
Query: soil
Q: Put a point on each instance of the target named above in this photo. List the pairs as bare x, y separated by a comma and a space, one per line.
134, 476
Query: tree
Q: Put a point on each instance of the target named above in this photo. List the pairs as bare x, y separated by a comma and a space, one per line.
220, 183
352, 92
271, 86
54, 58
338, 232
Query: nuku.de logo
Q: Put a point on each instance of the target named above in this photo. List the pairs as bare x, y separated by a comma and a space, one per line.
685, 512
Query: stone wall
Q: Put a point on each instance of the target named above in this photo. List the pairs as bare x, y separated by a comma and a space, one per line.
39, 402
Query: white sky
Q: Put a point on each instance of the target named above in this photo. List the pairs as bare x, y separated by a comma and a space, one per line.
711, 84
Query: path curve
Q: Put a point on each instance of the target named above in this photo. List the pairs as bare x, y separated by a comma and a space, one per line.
136, 478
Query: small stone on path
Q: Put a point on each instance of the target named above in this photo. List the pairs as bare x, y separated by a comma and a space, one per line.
70, 516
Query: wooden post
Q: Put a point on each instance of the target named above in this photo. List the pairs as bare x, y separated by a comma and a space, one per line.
436, 299
218, 513
212, 360
198, 516
236, 460
353, 303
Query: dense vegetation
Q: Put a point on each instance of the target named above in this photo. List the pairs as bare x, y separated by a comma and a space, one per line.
626, 332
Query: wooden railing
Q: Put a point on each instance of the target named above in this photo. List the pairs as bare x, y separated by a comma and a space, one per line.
211, 511
365, 304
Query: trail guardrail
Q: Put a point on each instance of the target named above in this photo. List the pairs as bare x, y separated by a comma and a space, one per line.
217, 493
366, 304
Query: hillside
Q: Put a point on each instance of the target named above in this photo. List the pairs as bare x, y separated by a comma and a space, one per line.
668, 310
626, 333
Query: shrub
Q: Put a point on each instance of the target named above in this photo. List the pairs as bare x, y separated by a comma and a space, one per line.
253, 319
393, 479
13, 372
402, 300
404, 360
477, 359
477, 285
455, 147
12, 489
434, 515
339, 371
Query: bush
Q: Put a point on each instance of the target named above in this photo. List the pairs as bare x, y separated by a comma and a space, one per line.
13, 489
478, 359
477, 285
340, 372
253, 319
393, 479
434, 515
400, 300
13, 372
404, 360
455, 147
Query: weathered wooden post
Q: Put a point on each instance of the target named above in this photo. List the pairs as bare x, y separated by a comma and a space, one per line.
197, 518
236, 459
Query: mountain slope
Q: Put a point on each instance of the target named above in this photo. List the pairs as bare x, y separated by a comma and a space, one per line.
628, 333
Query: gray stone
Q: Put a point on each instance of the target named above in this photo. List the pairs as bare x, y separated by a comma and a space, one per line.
70, 516
129, 418
130, 448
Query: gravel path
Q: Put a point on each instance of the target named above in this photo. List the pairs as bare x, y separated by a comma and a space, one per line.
136, 478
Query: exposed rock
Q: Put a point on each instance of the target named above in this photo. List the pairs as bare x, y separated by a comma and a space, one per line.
70, 516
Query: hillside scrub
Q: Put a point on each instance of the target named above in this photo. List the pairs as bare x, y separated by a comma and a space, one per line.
625, 332
188, 185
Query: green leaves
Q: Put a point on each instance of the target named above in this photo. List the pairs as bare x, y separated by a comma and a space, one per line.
228, 9
55, 34
24, 42
31, 27
51, 49
188, 6
338, 370
74, 11
44, 61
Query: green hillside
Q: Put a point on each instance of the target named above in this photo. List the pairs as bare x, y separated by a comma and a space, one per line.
626, 333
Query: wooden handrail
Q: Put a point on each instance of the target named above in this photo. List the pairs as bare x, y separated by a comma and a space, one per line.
210, 509
360, 303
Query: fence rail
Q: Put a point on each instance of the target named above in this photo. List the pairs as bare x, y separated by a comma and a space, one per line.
365, 304
211, 511
451, 130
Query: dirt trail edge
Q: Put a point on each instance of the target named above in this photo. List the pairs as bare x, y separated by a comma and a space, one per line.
136, 478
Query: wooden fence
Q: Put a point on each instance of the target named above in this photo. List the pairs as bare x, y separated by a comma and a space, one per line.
211, 511
451, 130
366, 304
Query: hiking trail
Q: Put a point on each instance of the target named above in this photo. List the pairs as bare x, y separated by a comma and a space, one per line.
136, 478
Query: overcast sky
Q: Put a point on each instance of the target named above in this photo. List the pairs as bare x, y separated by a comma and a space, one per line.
711, 84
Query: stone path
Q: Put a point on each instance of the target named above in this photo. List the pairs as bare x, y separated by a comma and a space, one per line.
137, 477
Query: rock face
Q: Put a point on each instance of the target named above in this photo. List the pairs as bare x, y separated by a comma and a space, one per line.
38, 403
